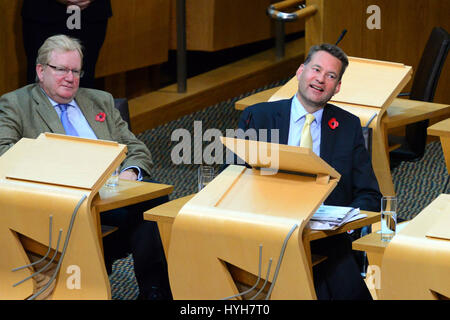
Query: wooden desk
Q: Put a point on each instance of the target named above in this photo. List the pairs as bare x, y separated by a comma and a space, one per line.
166, 213
442, 129
125, 194
374, 248
400, 113
261, 96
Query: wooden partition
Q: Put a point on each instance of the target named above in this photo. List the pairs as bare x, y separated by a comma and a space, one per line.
12, 55
404, 30
213, 25
137, 36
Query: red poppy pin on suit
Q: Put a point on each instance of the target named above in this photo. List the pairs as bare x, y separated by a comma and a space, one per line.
100, 117
333, 123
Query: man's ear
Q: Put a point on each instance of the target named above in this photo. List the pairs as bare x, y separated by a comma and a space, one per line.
299, 71
338, 88
40, 71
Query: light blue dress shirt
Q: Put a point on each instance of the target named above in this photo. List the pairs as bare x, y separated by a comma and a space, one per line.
298, 117
76, 117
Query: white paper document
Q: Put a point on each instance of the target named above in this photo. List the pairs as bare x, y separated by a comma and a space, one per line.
332, 217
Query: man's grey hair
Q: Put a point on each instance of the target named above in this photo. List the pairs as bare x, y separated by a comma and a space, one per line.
332, 49
58, 43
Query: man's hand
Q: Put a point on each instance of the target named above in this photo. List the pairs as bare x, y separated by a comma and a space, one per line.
129, 174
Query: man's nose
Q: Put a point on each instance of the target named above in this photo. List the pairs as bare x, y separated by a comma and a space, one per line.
69, 76
320, 78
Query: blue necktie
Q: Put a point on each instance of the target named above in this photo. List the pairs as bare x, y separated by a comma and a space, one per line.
68, 127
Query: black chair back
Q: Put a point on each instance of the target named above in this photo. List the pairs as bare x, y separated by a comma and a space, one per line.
122, 105
423, 89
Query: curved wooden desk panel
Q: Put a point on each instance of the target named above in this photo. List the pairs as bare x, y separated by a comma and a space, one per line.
416, 262
31, 192
26, 209
226, 223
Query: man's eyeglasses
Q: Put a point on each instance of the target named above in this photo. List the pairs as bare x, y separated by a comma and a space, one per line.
62, 71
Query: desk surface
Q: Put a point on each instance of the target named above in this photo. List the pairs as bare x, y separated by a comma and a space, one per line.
441, 128
128, 193
261, 96
371, 242
404, 111
167, 212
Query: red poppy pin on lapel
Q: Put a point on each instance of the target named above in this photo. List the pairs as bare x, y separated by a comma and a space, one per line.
333, 123
100, 117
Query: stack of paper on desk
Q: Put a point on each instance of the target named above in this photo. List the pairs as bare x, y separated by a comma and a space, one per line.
332, 217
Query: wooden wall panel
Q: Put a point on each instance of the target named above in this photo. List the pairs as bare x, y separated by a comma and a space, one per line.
137, 36
12, 54
213, 25
405, 28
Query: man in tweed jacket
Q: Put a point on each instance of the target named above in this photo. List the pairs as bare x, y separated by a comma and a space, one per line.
57, 98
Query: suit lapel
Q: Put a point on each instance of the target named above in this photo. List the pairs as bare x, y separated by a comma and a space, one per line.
282, 120
328, 135
90, 111
46, 111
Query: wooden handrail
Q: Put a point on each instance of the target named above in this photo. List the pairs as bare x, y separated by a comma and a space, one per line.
286, 4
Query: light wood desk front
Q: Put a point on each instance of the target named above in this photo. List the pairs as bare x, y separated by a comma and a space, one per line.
374, 248
166, 213
400, 113
442, 129
125, 194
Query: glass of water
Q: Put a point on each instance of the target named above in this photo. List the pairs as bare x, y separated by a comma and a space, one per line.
388, 217
205, 176
113, 181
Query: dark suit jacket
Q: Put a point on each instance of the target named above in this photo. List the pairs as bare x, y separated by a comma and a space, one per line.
49, 11
27, 112
343, 148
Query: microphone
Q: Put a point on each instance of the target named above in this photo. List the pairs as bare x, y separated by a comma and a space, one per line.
341, 36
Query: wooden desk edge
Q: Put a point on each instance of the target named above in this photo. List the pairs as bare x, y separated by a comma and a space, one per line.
435, 129
168, 216
118, 201
405, 118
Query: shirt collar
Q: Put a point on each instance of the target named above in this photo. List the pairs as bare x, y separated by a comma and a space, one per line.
54, 103
298, 111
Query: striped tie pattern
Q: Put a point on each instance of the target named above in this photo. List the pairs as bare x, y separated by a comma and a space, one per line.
68, 126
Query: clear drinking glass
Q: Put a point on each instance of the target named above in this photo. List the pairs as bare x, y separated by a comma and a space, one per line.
113, 181
205, 176
388, 217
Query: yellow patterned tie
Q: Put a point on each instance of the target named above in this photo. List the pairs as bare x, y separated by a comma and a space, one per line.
306, 139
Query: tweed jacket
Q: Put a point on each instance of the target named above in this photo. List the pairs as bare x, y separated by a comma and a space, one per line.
27, 112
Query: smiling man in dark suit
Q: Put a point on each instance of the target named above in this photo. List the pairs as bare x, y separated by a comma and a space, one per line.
57, 104
308, 120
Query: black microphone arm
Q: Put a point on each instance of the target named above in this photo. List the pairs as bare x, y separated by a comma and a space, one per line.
341, 36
